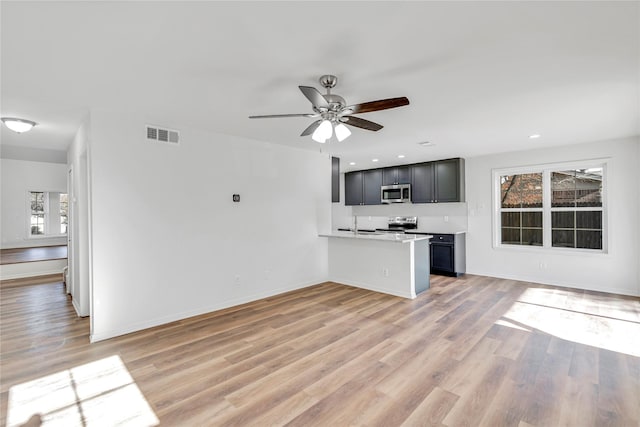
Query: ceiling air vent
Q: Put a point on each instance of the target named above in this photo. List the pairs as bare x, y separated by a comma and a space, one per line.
156, 133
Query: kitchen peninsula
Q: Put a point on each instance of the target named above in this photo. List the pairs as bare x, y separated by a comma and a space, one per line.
391, 263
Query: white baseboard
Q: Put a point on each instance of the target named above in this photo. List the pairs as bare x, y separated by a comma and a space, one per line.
524, 278
371, 288
95, 337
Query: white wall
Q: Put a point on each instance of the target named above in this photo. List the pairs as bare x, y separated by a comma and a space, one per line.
18, 178
168, 242
616, 272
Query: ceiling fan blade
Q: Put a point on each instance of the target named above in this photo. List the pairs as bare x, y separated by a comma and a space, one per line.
316, 98
272, 116
361, 123
382, 104
312, 127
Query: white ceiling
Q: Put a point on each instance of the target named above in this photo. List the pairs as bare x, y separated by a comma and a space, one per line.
481, 76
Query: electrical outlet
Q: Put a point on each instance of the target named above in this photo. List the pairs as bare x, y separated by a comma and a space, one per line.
385, 272
237, 279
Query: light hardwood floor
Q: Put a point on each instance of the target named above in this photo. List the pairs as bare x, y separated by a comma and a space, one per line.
472, 351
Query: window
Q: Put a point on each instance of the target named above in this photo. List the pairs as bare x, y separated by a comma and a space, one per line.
48, 213
64, 213
37, 213
576, 208
552, 206
521, 209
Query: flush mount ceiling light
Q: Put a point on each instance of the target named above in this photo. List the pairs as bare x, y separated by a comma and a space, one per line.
535, 136
427, 143
18, 125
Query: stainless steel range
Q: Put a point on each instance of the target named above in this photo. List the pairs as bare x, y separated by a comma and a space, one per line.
399, 224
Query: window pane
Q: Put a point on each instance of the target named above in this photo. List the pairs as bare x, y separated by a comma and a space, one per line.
37, 202
532, 236
532, 219
578, 187
589, 239
562, 238
37, 224
521, 191
589, 219
562, 219
511, 236
511, 219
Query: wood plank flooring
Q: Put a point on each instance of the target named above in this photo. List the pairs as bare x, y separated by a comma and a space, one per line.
42, 253
471, 351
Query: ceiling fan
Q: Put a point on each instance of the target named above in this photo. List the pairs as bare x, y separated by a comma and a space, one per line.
333, 113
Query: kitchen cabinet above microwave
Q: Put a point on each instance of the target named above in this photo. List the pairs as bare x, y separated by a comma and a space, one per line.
431, 182
396, 175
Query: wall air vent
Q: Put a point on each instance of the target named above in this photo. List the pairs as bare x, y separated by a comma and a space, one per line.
156, 133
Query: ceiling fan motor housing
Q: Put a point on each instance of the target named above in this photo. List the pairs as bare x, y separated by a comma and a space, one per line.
328, 81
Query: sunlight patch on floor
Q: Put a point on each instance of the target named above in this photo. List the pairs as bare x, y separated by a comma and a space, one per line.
579, 317
98, 393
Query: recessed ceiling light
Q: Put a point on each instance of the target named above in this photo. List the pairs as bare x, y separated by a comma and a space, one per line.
534, 136
374, 160
401, 156
18, 125
352, 163
427, 144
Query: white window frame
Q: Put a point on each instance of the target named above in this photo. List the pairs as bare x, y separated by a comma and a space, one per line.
546, 170
47, 216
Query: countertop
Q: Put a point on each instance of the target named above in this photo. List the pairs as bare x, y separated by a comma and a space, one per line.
384, 237
436, 232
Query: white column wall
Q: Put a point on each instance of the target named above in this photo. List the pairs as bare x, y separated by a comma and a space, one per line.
168, 242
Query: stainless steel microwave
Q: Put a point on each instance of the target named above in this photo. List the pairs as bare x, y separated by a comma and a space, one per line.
399, 193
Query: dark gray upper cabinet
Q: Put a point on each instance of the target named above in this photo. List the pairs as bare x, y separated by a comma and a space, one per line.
437, 182
422, 182
447, 180
396, 175
353, 188
372, 183
362, 187
431, 182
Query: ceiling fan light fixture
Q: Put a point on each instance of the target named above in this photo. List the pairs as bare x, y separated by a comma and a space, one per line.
18, 125
323, 132
342, 132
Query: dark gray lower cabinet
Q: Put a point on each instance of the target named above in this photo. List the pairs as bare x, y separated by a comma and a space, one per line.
448, 254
